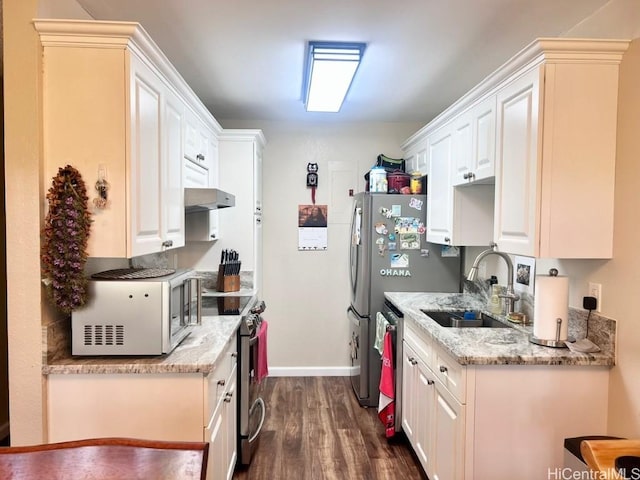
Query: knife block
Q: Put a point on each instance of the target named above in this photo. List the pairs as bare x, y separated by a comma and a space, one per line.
227, 283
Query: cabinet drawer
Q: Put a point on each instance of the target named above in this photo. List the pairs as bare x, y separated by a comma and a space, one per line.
221, 377
451, 374
420, 343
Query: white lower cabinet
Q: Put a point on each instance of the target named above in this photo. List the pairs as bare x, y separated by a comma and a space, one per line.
221, 434
469, 422
160, 406
432, 418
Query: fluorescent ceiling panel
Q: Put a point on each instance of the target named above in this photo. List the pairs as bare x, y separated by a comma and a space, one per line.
330, 69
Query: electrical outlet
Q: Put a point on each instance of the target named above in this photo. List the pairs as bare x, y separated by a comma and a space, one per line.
595, 290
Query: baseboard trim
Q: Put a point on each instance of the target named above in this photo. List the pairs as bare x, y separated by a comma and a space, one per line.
309, 371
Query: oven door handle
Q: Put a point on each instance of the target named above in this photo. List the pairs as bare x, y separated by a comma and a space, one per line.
258, 402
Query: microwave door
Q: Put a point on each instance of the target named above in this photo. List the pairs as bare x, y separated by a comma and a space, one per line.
193, 307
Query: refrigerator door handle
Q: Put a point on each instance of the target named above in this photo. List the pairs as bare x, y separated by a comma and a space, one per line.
354, 252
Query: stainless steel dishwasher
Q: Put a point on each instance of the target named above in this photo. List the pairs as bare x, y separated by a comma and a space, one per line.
396, 318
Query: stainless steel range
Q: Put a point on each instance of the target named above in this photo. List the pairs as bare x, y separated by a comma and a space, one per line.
251, 407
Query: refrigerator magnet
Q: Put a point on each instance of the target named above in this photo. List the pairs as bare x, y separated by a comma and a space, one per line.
416, 203
381, 228
385, 212
396, 210
424, 252
399, 260
380, 241
392, 246
409, 241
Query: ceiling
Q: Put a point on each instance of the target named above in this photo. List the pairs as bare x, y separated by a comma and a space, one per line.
244, 58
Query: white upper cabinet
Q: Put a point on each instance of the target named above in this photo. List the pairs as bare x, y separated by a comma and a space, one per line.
556, 149
157, 204
462, 149
455, 215
439, 188
484, 140
115, 109
416, 157
542, 129
240, 163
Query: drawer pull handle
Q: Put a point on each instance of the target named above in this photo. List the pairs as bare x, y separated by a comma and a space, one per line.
222, 382
430, 382
227, 397
167, 243
447, 239
413, 361
234, 355
443, 369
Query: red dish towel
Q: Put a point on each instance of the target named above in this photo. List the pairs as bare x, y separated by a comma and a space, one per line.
387, 404
261, 367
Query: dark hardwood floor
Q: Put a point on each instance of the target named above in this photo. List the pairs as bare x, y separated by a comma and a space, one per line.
315, 429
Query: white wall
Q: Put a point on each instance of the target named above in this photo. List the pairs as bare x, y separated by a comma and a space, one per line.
307, 292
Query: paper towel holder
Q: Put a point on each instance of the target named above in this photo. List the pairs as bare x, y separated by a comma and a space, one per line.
555, 343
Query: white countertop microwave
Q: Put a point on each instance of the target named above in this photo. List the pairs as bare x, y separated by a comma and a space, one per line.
137, 316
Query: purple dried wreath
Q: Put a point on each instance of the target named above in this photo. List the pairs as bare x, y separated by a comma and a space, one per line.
65, 237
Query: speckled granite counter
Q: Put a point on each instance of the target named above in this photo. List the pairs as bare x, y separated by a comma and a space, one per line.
198, 353
498, 346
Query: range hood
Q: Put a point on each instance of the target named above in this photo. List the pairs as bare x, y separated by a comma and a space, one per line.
203, 199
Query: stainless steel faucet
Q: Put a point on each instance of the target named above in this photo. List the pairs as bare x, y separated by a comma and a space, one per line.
510, 298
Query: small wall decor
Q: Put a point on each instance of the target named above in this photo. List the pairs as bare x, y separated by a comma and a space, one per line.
65, 236
524, 272
312, 180
312, 227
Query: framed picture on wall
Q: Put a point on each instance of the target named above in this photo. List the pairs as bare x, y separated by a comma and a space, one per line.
524, 273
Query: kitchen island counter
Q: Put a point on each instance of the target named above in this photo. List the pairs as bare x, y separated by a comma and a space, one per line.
198, 353
493, 346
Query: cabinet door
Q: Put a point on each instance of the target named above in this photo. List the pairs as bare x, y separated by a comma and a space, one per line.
425, 411
517, 167
191, 136
215, 435
484, 139
240, 167
440, 190
230, 406
409, 380
416, 158
146, 160
257, 227
462, 149
447, 424
172, 179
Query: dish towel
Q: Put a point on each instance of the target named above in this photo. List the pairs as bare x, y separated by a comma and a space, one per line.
387, 404
381, 328
261, 367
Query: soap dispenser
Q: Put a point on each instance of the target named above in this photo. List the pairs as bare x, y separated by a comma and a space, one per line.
495, 302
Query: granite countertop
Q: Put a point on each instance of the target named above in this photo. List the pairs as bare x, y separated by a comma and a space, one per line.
198, 353
488, 346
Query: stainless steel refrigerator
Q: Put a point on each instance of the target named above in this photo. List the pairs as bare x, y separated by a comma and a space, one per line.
388, 253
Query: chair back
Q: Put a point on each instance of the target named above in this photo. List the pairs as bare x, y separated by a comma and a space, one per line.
106, 459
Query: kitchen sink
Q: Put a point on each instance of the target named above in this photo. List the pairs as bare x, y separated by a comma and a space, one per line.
456, 320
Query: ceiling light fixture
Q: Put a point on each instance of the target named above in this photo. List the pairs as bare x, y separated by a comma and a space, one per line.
329, 71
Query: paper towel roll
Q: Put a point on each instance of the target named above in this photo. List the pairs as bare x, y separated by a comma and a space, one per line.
550, 303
